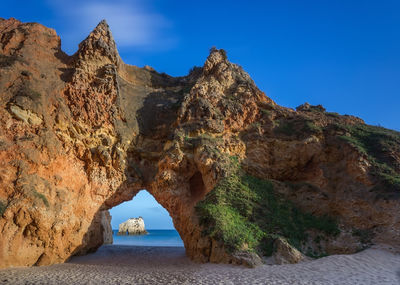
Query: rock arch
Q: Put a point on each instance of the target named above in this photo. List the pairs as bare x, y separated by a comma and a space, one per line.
81, 134
106, 130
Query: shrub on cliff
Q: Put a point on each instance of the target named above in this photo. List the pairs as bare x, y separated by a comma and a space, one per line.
245, 213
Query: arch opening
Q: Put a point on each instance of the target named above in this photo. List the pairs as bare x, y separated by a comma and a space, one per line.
157, 222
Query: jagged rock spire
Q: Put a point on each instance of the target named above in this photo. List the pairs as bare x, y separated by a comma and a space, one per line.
218, 65
216, 57
93, 87
99, 44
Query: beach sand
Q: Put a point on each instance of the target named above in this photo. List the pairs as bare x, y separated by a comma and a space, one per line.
115, 264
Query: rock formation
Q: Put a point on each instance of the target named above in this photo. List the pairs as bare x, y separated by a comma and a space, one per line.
81, 134
133, 226
285, 253
107, 230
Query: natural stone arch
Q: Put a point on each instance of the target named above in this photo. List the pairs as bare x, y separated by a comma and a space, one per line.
177, 193
109, 129
179, 208
80, 134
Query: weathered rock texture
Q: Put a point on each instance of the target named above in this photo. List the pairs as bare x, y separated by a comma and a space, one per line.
81, 134
133, 226
285, 253
107, 230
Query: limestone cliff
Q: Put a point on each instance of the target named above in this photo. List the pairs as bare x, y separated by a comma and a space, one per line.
83, 133
133, 226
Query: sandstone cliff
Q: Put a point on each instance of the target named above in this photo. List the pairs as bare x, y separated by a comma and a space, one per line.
133, 226
80, 134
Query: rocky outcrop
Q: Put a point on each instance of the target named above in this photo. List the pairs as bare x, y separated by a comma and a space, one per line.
81, 134
133, 226
107, 230
285, 253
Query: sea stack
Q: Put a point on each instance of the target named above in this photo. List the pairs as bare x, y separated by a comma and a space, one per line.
133, 226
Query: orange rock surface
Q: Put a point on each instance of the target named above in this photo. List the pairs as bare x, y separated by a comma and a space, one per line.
83, 133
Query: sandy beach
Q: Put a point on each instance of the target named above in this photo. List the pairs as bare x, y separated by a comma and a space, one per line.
114, 264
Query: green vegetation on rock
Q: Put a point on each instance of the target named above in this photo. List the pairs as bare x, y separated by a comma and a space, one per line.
310, 127
3, 208
245, 213
42, 197
203, 139
297, 128
332, 114
265, 111
377, 144
365, 235
285, 128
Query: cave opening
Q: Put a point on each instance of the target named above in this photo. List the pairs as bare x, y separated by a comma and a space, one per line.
158, 224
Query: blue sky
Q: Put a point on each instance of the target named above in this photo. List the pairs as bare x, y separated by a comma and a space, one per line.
143, 204
342, 54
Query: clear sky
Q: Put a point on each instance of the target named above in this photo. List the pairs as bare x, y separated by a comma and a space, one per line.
143, 204
342, 54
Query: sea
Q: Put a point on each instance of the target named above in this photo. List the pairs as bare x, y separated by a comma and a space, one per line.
153, 238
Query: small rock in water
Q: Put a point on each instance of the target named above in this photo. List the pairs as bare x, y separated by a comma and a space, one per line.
133, 226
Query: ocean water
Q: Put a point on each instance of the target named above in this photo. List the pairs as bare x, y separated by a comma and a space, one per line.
153, 238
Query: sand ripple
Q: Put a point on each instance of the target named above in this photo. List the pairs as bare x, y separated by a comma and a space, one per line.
113, 264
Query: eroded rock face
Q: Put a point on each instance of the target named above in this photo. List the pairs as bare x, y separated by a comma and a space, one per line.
80, 134
133, 226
